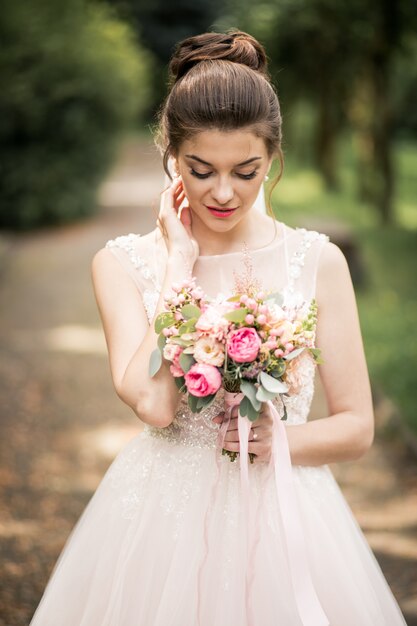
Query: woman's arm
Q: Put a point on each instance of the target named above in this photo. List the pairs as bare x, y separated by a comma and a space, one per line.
130, 339
349, 430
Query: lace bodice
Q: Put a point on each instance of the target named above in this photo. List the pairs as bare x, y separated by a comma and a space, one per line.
287, 265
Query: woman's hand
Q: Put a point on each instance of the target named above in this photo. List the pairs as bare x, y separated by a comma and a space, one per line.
260, 439
175, 223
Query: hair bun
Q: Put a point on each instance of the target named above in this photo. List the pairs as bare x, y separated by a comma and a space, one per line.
236, 46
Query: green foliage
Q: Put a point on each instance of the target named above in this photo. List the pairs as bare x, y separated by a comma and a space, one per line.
388, 304
71, 80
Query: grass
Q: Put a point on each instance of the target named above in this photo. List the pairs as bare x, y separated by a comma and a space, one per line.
388, 301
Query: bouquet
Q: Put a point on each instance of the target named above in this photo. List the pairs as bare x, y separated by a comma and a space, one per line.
249, 343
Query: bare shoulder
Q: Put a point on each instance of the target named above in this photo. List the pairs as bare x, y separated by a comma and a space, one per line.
103, 261
332, 259
334, 281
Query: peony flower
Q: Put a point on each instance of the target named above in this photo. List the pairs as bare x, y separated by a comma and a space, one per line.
243, 344
203, 380
208, 350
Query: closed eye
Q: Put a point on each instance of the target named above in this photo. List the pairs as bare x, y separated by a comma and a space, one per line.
248, 176
202, 176
198, 175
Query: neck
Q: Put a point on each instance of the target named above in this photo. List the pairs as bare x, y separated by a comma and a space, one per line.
256, 229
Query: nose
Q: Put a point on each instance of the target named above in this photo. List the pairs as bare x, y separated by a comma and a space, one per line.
223, 191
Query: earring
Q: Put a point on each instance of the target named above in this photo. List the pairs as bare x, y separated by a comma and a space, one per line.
266, 177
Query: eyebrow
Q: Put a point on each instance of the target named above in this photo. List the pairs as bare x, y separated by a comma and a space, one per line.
196, 158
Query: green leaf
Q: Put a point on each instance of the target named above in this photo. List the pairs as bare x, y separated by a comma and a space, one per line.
186, 361
278, 370
316, 352
277, 297
293, 354
188, 326
249, 390
164, 320
237, 315
155, 362
284, 417
263, 395
192, 403
205, 401
190, 310
233, 298
179, 341
253, 414
161, 342
244, 406
180, 382
272, 384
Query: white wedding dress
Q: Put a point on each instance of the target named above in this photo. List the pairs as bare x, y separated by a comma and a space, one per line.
163, 540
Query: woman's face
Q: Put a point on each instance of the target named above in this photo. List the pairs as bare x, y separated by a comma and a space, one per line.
222, 172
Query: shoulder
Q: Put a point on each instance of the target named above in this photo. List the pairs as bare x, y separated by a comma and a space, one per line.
334, 282
332, 259
131, 245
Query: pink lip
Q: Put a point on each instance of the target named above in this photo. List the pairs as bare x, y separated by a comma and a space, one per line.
218, 212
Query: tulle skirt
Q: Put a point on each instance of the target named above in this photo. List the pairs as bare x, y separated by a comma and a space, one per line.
164, 542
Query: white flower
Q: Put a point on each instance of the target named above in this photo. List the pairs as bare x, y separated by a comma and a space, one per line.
276, 312
208, 350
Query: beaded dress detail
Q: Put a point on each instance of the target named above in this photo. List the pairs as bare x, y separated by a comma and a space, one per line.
165, 539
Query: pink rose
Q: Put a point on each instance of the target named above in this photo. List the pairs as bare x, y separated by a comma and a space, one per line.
243, 345
172, 352
203, 380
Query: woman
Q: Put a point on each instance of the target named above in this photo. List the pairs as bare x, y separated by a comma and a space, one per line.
167, 539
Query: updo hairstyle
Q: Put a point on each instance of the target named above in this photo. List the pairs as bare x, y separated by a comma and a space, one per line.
219, 81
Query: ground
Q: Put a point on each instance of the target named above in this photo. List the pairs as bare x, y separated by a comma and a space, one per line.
61, 422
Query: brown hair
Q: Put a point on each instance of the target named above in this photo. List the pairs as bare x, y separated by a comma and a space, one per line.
219, 81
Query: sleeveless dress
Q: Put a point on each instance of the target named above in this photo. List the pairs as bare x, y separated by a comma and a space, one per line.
163, 541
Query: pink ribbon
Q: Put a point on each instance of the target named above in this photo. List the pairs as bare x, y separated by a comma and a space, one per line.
308, 604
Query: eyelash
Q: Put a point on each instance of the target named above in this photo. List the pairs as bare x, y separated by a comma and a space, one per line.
243, 176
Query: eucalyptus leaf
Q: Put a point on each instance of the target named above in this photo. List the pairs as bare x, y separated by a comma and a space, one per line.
164, 320
249, 390
205, 401
244, 406
253, 414
277, 297
188, 326
155, 362
179, 341
189, 311
263, 395
180, 382
293, 354
237, 315
272, 384
161, 342
186, 361
192, 403
284, 417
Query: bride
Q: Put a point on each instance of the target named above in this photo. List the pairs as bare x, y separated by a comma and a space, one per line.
166, 539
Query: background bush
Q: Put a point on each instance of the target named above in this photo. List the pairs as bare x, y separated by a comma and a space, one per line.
72, 78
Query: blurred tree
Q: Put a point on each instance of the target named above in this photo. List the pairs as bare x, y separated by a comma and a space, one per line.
71, 79
341, 55
161, 24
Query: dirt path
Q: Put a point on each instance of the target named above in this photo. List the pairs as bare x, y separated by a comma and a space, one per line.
61, 423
